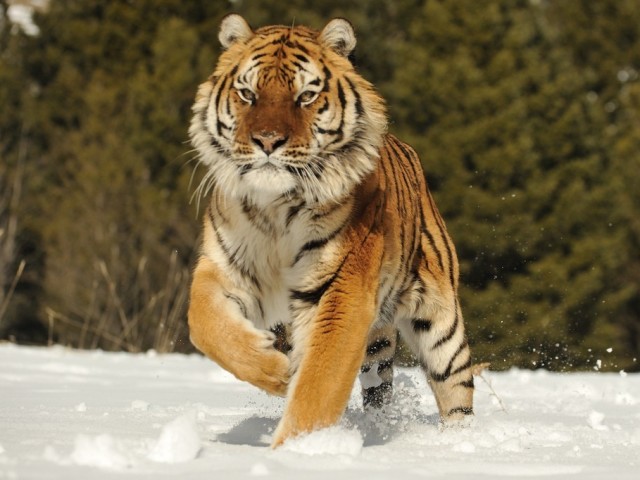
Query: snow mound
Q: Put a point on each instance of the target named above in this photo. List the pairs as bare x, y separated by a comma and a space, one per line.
179, 441
335, 440
101, 451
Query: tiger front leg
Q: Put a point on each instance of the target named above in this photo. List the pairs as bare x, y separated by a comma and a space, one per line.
219, 330
331, 348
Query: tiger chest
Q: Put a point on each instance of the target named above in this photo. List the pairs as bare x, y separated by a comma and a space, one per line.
269, 255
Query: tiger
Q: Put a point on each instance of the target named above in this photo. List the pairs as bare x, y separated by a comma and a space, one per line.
321, 242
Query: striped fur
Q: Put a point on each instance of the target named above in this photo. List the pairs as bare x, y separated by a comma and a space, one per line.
321, 240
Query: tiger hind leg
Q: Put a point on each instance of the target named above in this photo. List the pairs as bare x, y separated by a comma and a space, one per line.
376, 377
438, 339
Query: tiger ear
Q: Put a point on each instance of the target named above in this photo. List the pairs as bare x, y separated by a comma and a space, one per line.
339, 36
234, 28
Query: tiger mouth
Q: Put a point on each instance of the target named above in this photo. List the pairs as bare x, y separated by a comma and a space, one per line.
263, 166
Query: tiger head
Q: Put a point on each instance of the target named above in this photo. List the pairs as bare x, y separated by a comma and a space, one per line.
285, 115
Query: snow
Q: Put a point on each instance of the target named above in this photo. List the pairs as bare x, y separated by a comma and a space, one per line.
90, 414
335, 440
22, 16
179, 441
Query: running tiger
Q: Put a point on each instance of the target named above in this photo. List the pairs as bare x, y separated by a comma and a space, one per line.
319, 225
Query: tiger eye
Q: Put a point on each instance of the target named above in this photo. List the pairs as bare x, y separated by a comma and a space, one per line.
247, 95
307, 97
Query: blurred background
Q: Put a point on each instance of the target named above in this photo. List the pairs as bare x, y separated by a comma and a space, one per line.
526, 114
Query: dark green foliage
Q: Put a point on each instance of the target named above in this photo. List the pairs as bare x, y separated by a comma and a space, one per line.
105, 116
526, 115
515, 146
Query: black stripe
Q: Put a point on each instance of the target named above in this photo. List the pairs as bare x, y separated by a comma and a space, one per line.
382, 366
335, 131
378, 345
261, 308
256, 217
299, 66
325, 213
443, 377
402, 190
238, 301
449, 335
220, 125
462, 367
246, 168
293, 211
439, 377
410, 154
214, 143
324, 107
415, 166
421, 325
317, 243
385, 365
432, 243
232, 257
313, 296
278, 40
341, 96
467, 383
339, 130
312, 245
465, 410
219, 93
397, 193
359, 107
298, 45
268, 30
443, 235
327, 77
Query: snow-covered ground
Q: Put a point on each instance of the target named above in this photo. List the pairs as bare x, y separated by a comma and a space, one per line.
70, 415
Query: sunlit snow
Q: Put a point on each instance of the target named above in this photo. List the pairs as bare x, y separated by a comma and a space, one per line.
89, 414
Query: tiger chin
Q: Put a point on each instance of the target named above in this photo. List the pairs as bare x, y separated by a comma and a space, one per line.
319, 224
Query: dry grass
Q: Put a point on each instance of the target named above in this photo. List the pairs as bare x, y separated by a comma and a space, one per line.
134, 319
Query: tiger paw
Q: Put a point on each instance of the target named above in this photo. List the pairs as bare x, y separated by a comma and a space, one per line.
265, 367
274, 373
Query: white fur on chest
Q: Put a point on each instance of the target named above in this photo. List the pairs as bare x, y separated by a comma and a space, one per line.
259, 249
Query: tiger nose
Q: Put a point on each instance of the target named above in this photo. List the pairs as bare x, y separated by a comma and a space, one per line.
269, 141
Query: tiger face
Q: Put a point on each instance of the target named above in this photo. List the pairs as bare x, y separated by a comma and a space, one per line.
285, 115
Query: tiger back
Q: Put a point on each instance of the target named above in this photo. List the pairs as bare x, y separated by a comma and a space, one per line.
320, 224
